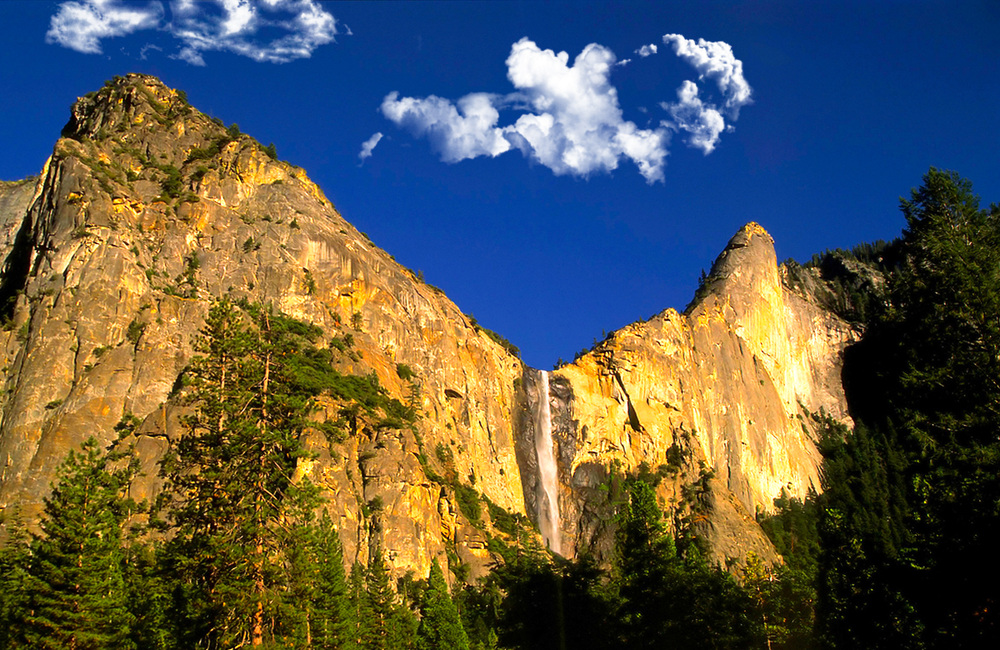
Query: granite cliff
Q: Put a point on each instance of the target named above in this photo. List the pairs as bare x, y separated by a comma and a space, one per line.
719, 401
148, 210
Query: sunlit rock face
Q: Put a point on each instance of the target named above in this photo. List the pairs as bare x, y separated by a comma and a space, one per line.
730, 385
105, 308
148, 210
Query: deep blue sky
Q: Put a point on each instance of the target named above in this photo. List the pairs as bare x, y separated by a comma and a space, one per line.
852, 102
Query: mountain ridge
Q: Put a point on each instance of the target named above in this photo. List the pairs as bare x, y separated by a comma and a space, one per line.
148, 210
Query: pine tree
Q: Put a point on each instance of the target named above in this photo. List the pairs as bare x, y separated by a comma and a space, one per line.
554, 604
645, 552
76, 595
361, 616
785, 601
149, 593
319, 590
672, 601
15, 559
388, 625
944, 338
235, 502
862, 531
912, 520
440, 626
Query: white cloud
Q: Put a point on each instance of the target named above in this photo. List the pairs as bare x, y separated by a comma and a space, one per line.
201, 26
647, 50
81, 25
568, 116
234, 24
368, 146
571, 121
702, 122
715, 61
467, 130
577, 125
146, 49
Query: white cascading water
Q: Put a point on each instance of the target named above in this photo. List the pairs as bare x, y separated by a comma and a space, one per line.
548, 505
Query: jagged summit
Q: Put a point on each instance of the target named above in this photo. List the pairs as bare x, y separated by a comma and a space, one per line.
126, 103
145, 124
746, 236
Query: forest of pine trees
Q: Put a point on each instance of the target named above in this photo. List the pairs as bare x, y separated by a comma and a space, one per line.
898, 550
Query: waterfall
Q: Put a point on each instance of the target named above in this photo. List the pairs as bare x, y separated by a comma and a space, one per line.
548, 494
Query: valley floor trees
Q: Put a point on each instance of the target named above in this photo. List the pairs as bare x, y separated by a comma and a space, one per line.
69, 587
247, 561
911, 512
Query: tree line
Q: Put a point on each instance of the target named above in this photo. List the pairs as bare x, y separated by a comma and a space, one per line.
90, 580
897, 551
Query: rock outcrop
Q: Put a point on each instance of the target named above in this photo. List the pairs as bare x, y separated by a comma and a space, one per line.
718, 400
148, 210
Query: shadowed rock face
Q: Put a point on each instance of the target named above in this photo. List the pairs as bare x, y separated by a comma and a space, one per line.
148, 210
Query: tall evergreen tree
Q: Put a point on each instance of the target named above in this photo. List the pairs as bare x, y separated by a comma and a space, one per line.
862, 532
912, 516
361, 616
785, 599
234, 501
673, 601
388, 625
148, 589
15, 561
553, 604
76, 595
319, 600
645, 551
946, 402
440, 626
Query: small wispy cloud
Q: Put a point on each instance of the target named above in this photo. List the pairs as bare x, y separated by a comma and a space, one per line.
146, 49
368, 146
82, 25
715, 61
201, 26
704, 121
568, 116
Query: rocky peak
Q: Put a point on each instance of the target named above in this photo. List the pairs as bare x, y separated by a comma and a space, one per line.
730, 386
747, 265
123, 104
148, 210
